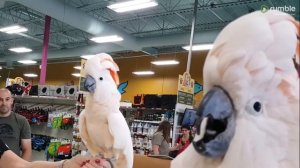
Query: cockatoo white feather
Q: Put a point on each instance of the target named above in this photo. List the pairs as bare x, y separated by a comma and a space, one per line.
252, 61
102, 126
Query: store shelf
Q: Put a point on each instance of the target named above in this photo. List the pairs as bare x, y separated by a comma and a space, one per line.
146, 121
45, 100
145, 109
42, 129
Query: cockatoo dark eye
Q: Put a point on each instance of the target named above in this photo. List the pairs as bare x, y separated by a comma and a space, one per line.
257, 106
100, 78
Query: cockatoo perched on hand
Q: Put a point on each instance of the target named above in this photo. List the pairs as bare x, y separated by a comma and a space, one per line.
102, 126
249, 116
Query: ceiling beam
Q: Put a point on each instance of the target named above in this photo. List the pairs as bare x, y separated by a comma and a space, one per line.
38, 40
59, 10
143, 43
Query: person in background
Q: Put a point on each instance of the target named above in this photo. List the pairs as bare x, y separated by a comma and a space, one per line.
161, 139
14, 128
185, 139
9, 159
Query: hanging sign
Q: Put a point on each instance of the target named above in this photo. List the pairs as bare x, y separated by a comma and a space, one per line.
82, 76
185, 89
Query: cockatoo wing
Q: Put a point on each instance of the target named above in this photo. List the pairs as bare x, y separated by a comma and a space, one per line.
119, 128
83, 131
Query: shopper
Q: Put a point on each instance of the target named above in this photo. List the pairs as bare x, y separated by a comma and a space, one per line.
14, 128
161, 139
9, 159
185, 139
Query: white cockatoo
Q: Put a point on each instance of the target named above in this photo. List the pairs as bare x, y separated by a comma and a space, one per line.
249, 116
102, 127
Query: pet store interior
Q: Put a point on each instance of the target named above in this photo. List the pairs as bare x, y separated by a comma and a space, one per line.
159, 51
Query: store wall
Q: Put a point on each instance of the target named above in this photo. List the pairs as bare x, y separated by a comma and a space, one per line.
165, 79
57, 74
163, 82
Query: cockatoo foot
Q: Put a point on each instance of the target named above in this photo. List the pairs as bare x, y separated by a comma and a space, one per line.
111, 160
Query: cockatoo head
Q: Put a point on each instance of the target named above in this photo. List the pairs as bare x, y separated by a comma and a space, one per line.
251, 92
102, 79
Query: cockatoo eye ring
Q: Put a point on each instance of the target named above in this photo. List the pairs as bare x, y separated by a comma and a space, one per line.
100, 78
255, 106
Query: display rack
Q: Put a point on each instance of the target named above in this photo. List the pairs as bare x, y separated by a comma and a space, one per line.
143, 123
45, 100
32, 105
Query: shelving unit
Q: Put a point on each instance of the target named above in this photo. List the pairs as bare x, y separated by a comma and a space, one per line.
57, 105
145, 121
45, 100
139, 119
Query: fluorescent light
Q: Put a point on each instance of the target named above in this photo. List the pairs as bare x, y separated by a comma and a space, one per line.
27, 62
132, 5
9, 28
106, 39
199, 47
20, 49
76, 74
165, 62
17, 30
77, 67
31, 75
87, 56
13, 29
0, 67
143, 72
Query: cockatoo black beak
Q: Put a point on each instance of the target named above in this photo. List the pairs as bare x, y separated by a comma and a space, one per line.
215, 125
90, 84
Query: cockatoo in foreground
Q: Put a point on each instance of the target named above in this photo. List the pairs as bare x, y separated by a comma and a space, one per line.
249, 116
102, 126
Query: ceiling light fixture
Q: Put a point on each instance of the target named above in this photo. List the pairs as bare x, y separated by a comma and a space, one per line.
77, 67
20, 49
0, 67
165, 62
17, 31
199, 47
30, 75
13, 29
76, 74
87, 56
143, 73
132, 5
27, 62
107, 39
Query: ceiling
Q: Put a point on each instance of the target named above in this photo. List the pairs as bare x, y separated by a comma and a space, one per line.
161, 29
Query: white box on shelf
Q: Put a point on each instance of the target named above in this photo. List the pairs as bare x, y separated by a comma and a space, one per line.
44, 90
125, 104
70, 91
58, 90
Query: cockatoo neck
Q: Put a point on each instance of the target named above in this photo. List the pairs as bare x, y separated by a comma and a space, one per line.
103, 105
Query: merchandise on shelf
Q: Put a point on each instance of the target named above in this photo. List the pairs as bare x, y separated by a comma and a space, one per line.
77, 144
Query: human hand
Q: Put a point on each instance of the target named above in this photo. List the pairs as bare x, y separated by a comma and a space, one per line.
178, 147
86, 162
